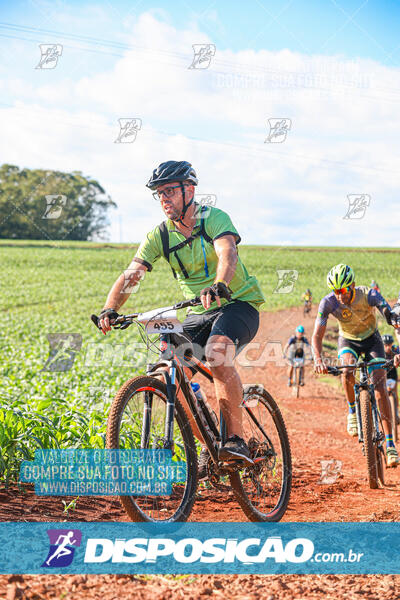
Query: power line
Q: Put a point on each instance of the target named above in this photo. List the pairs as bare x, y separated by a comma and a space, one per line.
183, 57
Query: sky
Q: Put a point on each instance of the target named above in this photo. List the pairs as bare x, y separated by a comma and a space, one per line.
326, 72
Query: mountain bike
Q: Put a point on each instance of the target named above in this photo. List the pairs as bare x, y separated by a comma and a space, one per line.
146, 413
369, 422
297, 362
394, 406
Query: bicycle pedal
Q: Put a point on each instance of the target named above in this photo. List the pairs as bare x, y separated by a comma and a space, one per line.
231, 466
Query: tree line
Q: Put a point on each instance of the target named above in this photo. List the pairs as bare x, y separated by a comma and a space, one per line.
44, 204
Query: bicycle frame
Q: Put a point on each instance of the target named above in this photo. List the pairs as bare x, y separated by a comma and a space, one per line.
175, 374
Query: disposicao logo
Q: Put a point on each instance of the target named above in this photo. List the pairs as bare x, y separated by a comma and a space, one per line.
62, 547
190, 550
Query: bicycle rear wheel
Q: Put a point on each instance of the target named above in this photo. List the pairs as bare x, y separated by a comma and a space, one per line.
263, 491
370, 448
394, 411
137, 420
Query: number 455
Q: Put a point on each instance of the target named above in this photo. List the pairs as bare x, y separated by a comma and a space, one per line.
163, 325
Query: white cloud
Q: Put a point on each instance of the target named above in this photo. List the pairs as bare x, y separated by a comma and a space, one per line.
343, 138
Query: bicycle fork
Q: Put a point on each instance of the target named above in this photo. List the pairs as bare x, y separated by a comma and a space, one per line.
379, 435
358, 411
168, 441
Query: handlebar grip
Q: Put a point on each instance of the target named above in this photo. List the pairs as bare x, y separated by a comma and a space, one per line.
120, 319
95, 320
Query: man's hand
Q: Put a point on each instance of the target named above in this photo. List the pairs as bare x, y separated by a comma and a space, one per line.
215, 292
319, 366
107, 316
396, 360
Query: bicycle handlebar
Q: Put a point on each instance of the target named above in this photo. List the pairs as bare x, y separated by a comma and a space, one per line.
384, 364
124, 321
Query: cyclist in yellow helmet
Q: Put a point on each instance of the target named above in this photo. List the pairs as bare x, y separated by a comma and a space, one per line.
354, 308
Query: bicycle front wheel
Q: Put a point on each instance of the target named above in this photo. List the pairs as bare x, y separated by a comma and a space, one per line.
370, 448
298, 379
137, 421
263, 490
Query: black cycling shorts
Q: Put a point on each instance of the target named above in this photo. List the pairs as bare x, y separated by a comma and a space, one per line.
371, 347
239, 321
392, 374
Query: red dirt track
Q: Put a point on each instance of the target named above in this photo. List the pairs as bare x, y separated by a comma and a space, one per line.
316, 424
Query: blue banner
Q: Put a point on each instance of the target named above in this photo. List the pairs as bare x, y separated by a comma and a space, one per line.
259, 548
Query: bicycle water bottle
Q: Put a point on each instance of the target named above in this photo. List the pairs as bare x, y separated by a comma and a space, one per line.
202, 402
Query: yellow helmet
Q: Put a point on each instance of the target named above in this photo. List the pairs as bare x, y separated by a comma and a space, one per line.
340, 276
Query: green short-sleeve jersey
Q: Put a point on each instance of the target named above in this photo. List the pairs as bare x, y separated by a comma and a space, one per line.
199, 257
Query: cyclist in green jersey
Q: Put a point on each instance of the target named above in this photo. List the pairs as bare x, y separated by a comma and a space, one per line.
354, 308
200, 244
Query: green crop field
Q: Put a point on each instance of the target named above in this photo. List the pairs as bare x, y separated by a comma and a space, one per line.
50, 287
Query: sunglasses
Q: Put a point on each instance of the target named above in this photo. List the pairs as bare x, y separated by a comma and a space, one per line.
167, 192
344, 290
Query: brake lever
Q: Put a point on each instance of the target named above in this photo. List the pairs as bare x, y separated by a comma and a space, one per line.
122, 325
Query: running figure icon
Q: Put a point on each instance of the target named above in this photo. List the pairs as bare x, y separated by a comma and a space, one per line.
63, 543
62, 547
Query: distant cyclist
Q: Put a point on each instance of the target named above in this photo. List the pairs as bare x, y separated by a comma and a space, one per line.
295, 349
375, 286
354, 308
307, 298
390, 352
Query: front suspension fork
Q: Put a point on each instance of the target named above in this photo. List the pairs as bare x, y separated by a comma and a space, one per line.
169, 416
358, 413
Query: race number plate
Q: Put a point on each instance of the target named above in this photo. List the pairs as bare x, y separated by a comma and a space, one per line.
157, 321
299, 361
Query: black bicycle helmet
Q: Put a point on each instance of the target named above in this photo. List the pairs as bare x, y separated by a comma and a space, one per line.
387, 339
174, 170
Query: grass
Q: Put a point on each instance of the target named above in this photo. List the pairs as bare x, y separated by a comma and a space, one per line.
53, 287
